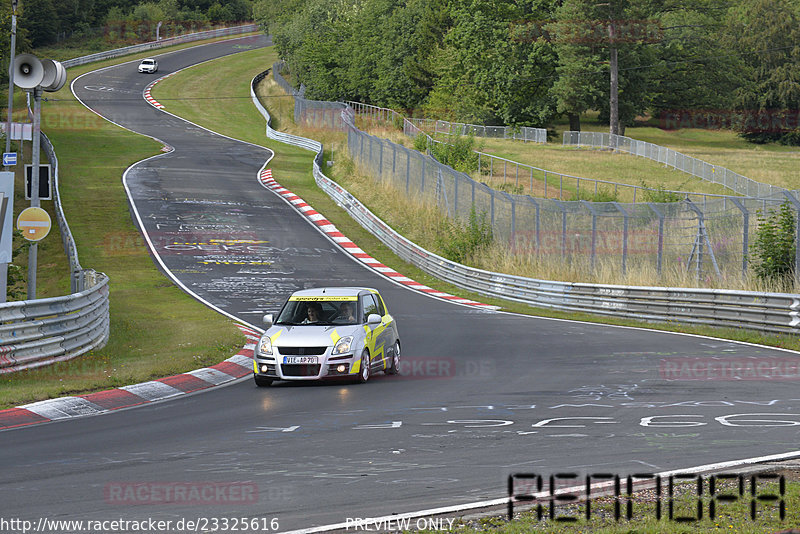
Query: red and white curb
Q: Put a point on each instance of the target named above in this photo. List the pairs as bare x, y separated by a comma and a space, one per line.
351, 248
147, 96
101, 402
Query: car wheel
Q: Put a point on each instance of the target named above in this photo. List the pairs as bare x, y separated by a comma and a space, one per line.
394, 367
363, 375
261, 381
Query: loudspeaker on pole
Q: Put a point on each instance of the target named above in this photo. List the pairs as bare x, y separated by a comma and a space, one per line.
49, 76
59, 75
28, 71
61, 78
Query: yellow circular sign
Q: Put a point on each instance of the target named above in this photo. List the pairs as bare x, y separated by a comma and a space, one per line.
34, 223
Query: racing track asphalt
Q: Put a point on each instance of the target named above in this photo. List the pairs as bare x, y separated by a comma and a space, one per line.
483, 394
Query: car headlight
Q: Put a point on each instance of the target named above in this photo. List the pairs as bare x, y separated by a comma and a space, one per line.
343, 345
265, 345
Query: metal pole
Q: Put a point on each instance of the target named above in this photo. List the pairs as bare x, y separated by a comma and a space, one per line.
796, 205
624, 237
32, 251
745, 232
563, 227
11, 80
4, 266
455, 195
660, 236
593, 256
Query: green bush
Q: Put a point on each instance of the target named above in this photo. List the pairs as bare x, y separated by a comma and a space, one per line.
603, 194
421, 143
791, 138
398, 121
509, 188
16, 282
459, 153
459, 242
660, 194
773, 249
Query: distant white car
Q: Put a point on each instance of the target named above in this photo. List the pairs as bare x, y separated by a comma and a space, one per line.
148, 65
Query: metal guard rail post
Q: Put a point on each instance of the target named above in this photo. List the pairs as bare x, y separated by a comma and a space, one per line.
767, 312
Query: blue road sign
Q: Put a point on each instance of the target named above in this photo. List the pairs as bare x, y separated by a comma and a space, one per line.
9, 158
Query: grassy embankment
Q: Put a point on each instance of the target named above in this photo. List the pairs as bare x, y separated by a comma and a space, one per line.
292, 168
156, 329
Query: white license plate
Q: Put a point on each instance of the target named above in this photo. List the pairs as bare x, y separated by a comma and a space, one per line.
300, 359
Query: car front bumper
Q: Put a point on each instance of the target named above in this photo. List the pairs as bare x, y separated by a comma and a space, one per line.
327, 366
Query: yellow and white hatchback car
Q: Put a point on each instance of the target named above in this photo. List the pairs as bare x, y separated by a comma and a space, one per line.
326, 333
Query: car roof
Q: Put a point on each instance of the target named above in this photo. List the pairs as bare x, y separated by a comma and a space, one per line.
148, 59
332, 292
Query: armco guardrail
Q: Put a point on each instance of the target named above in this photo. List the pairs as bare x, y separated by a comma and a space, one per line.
189, 37
35, 333
770, 312
66, 234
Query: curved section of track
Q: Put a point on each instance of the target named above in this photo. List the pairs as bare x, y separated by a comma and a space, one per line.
482, 394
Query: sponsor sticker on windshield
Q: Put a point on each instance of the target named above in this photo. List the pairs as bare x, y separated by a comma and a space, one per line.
322, 299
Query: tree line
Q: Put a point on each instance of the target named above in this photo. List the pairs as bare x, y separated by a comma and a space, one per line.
47, 22
688, 63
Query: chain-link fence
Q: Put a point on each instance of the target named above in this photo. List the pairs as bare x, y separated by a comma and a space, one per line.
519, 177
696, 167
709, 238
519, 133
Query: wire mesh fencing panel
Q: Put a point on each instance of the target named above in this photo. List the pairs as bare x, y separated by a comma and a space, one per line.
706, 171
705, 239
520, 133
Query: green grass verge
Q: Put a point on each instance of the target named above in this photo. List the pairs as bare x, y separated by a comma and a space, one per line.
292, 168
156, 329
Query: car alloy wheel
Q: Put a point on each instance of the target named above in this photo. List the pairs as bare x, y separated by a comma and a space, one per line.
394, 367
365, 370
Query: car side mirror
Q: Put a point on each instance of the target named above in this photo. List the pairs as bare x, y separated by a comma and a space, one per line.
268, 320
373, 319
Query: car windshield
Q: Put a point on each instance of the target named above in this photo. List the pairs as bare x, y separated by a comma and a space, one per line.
148, 62
320, 311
